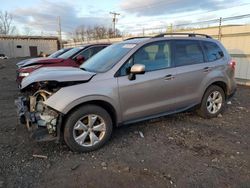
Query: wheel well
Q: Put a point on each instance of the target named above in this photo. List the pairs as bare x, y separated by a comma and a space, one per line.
107, 106
222, 85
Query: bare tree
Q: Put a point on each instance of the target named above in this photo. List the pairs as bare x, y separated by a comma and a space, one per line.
110, 33
100, 32
28, 31
6, 23
80, 33
89, 33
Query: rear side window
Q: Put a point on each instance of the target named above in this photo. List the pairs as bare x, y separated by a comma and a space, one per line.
213, 51
188, 52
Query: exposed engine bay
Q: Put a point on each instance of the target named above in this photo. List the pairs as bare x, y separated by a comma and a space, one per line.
43, 121
40, 119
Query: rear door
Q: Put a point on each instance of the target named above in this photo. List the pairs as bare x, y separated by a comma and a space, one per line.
153, 92
191, 71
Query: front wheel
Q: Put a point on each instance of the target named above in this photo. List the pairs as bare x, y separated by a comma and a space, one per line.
213, 102
87, 128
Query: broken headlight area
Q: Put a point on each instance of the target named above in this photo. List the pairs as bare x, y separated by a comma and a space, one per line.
41, 120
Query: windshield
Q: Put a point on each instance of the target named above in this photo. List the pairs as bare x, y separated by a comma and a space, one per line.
70, 53
57, 53
107, 58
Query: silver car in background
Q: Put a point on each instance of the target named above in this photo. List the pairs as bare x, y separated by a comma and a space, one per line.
130, 81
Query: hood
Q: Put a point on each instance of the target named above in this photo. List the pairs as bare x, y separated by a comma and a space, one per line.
59, 74
45, 60
29, 61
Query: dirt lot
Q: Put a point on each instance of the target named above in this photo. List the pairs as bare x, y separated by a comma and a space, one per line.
181, 150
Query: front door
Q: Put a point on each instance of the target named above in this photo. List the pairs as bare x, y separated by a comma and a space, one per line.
152, 93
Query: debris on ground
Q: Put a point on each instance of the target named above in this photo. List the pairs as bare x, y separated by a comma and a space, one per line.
215, 160
74, 167
1, 183
240, 107
40, 156
103, 164
126, 169
141, 134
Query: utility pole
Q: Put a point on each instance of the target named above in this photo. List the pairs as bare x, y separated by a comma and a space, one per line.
219, 35
114, 21
60, 32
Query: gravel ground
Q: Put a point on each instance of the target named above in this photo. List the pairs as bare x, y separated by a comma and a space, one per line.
181, 150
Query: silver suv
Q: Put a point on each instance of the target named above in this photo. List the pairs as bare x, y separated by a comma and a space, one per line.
130, 81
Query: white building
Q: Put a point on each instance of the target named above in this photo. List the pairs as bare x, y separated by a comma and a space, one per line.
25, 46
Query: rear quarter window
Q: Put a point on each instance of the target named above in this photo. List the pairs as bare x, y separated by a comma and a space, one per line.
188, 52
213, 51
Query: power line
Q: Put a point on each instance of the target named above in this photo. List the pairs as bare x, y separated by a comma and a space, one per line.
192, 14
201, 22
158, 3
146, 6
217, 20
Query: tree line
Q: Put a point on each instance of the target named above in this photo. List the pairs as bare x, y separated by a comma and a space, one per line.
83, 33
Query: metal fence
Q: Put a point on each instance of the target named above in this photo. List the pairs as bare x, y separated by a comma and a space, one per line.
234, 34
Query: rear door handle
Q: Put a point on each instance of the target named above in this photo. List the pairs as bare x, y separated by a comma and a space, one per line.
207, 69
169, 77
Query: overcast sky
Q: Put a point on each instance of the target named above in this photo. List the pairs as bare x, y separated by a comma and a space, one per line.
41, 15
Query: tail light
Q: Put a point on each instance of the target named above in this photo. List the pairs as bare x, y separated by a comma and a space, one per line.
232, 64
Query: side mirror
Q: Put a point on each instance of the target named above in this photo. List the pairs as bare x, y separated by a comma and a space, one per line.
136, 69
80, 59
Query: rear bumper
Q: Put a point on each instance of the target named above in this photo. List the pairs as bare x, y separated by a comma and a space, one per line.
232, 93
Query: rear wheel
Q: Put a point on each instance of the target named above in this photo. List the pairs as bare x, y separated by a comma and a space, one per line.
213, 102
87, 128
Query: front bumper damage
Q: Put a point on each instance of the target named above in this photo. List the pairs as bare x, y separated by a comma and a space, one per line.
43, 123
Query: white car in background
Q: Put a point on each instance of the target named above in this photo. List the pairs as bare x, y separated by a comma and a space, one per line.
2, 56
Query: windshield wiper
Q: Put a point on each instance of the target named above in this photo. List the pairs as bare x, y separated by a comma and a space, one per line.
83, 69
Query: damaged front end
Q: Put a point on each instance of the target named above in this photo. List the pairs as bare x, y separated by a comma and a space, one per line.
43, 122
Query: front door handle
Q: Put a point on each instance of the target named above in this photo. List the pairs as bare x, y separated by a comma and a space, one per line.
207, 69
169, 77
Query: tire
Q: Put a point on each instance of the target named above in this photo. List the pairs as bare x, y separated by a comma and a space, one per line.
84, 125
205, 110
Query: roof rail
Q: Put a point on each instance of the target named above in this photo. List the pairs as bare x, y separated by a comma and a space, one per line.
188, 34
136, 38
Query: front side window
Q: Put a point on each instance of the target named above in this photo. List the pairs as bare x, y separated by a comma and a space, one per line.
85, 53
57, 53
188, 52
154, 56
88, 53
71, 52
97, 49
213, 51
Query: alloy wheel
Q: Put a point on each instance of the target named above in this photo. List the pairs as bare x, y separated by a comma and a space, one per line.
214, 102
89, 130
